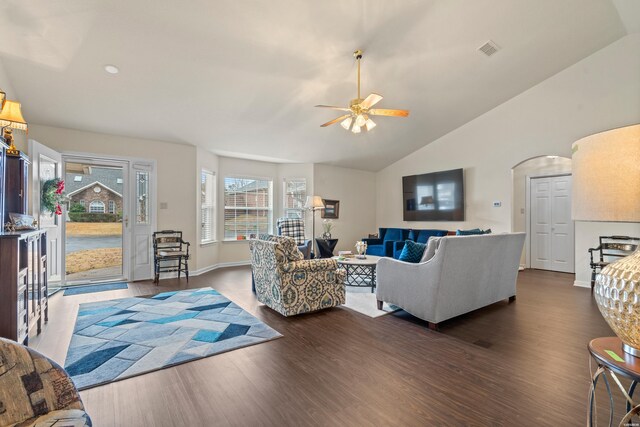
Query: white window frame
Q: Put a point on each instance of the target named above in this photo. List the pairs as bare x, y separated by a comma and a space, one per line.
112, 206
96, 202
207, 204
268, 209
285, 208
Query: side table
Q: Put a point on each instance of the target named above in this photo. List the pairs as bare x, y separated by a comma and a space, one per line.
361, 272
612, 361
326, 247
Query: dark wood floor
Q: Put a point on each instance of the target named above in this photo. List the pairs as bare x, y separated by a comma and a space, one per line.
519, 364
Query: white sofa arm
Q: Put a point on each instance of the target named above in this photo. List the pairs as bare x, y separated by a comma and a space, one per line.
410, 286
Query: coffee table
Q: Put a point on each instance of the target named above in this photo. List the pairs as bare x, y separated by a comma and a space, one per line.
360, 272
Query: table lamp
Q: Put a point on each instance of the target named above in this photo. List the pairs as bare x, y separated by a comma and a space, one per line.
606, 187
11, 118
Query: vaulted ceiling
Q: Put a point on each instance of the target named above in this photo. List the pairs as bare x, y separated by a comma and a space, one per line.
241, 78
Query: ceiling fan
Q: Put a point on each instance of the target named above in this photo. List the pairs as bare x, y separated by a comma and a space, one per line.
360, 109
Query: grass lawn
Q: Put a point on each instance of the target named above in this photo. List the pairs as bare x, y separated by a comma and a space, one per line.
94, 228
92, 259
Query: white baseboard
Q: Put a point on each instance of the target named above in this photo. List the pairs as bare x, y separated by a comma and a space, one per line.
582, 284
198, 272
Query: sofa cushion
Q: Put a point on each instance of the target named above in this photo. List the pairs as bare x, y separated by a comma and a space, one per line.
430, 251
393, 234
412, 251
471, 232
423, 236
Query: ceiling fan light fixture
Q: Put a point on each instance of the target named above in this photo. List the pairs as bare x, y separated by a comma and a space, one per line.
369, 124
360, 109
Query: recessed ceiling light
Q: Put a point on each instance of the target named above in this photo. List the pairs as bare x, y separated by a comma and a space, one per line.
111, 69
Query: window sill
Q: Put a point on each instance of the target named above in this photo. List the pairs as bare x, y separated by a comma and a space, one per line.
209, 243
237, 241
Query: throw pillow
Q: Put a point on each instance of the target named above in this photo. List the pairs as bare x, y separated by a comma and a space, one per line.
291, 251
432, 247
412, 251
469, 232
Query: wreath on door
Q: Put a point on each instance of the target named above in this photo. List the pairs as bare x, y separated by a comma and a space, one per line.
52, 196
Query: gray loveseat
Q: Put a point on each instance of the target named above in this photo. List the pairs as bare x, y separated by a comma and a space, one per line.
457, 274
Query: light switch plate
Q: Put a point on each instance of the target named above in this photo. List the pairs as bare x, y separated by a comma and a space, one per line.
497, 204
164, 205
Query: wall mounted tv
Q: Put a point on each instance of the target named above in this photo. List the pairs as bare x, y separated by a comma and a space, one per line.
437, 196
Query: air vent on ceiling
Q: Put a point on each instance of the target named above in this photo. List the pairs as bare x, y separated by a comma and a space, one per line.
489, 48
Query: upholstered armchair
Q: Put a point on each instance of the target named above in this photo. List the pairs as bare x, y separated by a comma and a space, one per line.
419, 236
35, 391
294, 227
291, 285
383, 245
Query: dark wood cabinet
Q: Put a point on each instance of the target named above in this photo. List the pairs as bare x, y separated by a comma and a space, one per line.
23, 284
3, 148
16, 184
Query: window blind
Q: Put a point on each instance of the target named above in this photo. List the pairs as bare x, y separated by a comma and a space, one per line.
295, 194
207, 206
248, 207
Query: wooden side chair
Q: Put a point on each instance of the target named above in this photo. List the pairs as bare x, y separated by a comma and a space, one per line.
610, 248
170, 253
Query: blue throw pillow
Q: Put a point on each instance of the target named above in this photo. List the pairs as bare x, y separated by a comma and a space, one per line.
412, 251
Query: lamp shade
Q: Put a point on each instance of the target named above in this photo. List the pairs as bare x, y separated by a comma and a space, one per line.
314, 202
11, 116
606, 176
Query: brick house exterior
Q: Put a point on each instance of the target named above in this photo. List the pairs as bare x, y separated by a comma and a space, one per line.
95, 193
102, 186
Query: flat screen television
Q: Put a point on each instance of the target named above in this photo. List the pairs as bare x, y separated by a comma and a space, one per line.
436, 196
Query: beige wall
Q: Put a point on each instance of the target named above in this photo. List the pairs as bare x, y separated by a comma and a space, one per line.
355, 189
588, 97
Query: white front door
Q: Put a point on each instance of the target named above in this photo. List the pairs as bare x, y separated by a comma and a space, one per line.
142, 220
552, 242
46, 168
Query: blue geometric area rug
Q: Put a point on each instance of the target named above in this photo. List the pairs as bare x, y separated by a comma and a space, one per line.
117, 339
98, 287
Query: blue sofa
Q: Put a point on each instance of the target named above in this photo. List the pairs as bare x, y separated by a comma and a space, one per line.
383, 245
420, 236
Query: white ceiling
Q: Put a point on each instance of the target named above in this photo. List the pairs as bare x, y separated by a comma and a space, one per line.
241, 78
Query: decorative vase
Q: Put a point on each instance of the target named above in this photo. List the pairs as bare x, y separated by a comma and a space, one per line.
326, 236
617, 293
361, 249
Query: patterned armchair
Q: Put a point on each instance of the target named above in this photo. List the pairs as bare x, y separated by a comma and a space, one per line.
291, 285
35, 391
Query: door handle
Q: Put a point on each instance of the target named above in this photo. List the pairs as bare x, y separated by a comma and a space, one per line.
126, 221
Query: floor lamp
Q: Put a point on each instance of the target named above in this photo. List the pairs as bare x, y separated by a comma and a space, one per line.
314, 203
606, 187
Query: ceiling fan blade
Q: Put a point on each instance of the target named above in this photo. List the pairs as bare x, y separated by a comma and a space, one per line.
370, 101
387, 112
334, 108
339, 119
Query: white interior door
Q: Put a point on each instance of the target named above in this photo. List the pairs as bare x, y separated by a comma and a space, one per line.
552, 241
46, 165
142, 218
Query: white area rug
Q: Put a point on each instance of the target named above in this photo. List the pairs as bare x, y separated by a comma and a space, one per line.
363, 301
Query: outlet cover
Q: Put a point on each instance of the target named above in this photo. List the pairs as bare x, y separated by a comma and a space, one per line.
497, 204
